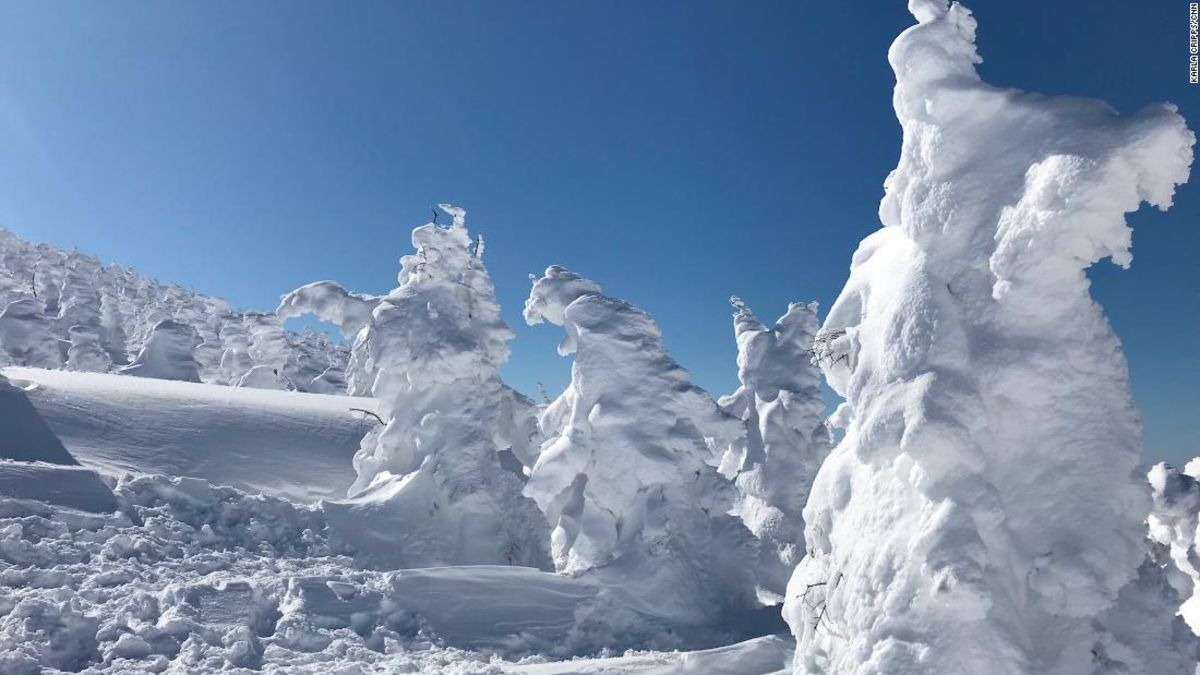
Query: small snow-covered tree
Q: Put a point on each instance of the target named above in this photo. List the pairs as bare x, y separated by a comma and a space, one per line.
625, 476
26, 334
983, 512
168, 354
431, 489
780, 402
86, 352
1175, 528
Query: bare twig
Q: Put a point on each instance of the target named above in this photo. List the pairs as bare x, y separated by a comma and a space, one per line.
368, 412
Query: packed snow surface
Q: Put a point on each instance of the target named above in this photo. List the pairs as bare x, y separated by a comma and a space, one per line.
984, 512
281, 443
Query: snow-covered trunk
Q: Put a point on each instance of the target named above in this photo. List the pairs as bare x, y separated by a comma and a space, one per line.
431, 489
780, 403
625, 475
983, 512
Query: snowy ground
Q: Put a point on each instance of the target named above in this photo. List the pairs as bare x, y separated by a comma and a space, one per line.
185, 575
281, 443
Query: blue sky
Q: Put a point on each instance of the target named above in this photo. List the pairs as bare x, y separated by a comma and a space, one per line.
677, 152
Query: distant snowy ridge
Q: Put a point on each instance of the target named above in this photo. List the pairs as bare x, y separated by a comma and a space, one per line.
64, 309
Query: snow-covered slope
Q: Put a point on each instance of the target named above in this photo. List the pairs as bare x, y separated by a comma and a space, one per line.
281, 443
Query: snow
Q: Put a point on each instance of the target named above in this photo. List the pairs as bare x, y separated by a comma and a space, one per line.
625, 475
168, 354
1175, 529
62, 305
192, 577
431, 489
781, 404
290, 444
983, 512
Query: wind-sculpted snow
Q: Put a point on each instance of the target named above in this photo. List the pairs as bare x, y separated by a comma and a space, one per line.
624, 475
184, 576
948, 532
328, 301
168, 354
431, 489
780, 402
64, 309
1175, 529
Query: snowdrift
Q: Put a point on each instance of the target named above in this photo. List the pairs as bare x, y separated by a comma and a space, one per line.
281, 443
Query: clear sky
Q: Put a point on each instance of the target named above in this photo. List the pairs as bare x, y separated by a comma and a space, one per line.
675, 151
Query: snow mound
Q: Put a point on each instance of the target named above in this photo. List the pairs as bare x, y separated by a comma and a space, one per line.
26, 436
289, 444
979, 377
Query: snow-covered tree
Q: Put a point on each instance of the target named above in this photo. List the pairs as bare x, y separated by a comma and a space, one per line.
431, 489
86, 352
168, 354
780, 402
983, 513
1175, 528
26, 335
625, 476
122, 307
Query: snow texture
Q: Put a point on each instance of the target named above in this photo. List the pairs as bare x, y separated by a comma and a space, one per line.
983, 512
624, 475
185, 576
64, 308
780, 403
285, 444
1175, 529
169, 353
431, 489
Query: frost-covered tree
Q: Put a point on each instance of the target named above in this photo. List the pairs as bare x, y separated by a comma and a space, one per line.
168, 354
624, 475
1175, 529
780, 402
431, 489
26, 334
86, 352
983, 512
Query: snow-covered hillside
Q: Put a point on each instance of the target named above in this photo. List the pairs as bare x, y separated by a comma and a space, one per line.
64, 309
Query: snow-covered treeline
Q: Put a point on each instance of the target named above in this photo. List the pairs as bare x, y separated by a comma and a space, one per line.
64, 309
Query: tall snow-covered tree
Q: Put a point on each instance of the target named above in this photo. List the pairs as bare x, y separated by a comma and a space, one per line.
431, 489
780, 402
983, 513
626, 475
